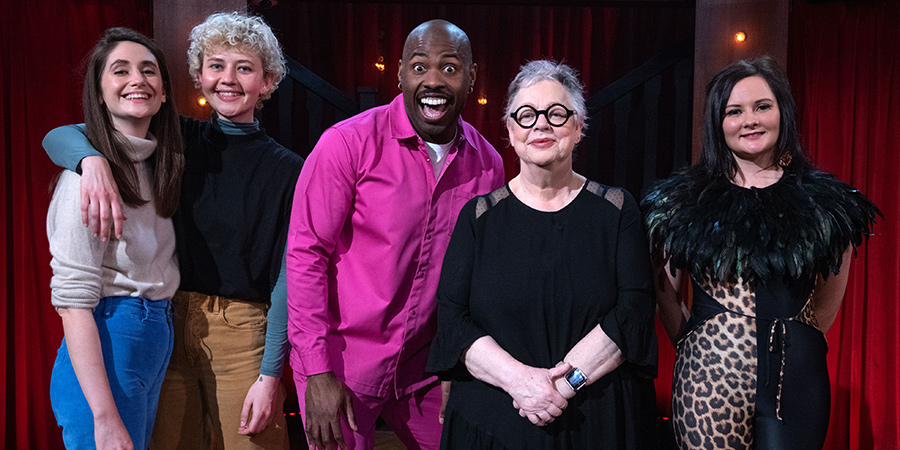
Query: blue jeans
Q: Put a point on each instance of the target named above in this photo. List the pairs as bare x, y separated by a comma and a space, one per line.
136, 338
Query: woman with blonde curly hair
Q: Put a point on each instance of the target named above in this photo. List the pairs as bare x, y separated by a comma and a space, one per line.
230, 318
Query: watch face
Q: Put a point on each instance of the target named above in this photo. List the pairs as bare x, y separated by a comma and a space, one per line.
575, 378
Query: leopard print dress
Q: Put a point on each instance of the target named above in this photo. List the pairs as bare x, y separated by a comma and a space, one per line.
750, 368
730, 357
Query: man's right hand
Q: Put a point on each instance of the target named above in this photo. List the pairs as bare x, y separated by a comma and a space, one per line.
100, 198
327, 401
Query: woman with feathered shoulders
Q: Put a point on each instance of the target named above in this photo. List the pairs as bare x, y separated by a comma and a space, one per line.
767, 242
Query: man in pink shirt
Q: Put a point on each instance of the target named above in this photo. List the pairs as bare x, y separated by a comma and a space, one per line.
373, 211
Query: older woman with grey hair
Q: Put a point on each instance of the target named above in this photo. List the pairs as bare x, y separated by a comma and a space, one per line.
545, 304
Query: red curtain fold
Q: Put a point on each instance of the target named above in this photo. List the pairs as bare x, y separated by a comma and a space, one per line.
43, 43
844, 64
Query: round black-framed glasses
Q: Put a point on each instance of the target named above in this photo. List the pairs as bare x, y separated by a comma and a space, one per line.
527, 116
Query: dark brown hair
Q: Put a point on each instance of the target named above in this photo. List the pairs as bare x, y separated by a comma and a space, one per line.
715, 157
167, 162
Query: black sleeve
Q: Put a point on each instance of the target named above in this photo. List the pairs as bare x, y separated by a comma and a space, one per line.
456, 329
630, 323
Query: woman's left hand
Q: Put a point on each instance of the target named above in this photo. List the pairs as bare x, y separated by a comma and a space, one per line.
259, 405
110, 434
535, 395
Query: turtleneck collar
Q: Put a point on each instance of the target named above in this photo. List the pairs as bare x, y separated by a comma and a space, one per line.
234, 128
141, 149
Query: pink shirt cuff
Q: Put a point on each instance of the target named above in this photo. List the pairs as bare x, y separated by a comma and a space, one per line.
311, 363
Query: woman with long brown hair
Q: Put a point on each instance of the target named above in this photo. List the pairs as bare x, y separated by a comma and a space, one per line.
113, 295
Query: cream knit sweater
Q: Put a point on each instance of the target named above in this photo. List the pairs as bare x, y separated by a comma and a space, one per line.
141, 264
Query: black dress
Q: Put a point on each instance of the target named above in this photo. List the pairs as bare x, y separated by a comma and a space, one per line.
538, 282
750, 369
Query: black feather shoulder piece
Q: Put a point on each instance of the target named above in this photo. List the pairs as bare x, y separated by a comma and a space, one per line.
799, 226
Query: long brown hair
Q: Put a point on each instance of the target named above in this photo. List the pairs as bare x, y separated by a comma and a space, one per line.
167, 161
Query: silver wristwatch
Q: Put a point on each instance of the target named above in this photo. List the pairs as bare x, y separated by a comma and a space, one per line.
575, 378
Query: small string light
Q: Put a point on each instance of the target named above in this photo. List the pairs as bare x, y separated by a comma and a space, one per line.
482, 100
201, 101
380, 64
740, 36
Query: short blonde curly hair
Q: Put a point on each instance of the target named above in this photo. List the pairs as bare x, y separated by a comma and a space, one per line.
241, 31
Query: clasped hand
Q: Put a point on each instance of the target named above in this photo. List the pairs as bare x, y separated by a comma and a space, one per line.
536, 396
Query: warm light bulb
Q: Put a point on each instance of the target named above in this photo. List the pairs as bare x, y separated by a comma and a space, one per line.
740, 36
380, 64
201, 101
482, 101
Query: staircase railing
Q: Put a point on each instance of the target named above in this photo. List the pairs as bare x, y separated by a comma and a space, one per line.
640, 125
299, 116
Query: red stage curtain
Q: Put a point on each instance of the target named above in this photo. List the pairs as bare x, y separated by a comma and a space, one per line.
41, 45
844, 64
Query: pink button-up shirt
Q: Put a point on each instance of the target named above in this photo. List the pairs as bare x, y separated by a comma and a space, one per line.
369, 228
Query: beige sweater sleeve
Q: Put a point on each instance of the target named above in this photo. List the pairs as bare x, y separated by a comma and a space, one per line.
77, 254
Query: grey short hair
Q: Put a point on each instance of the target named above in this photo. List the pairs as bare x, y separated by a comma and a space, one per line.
545, 70
241, 31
